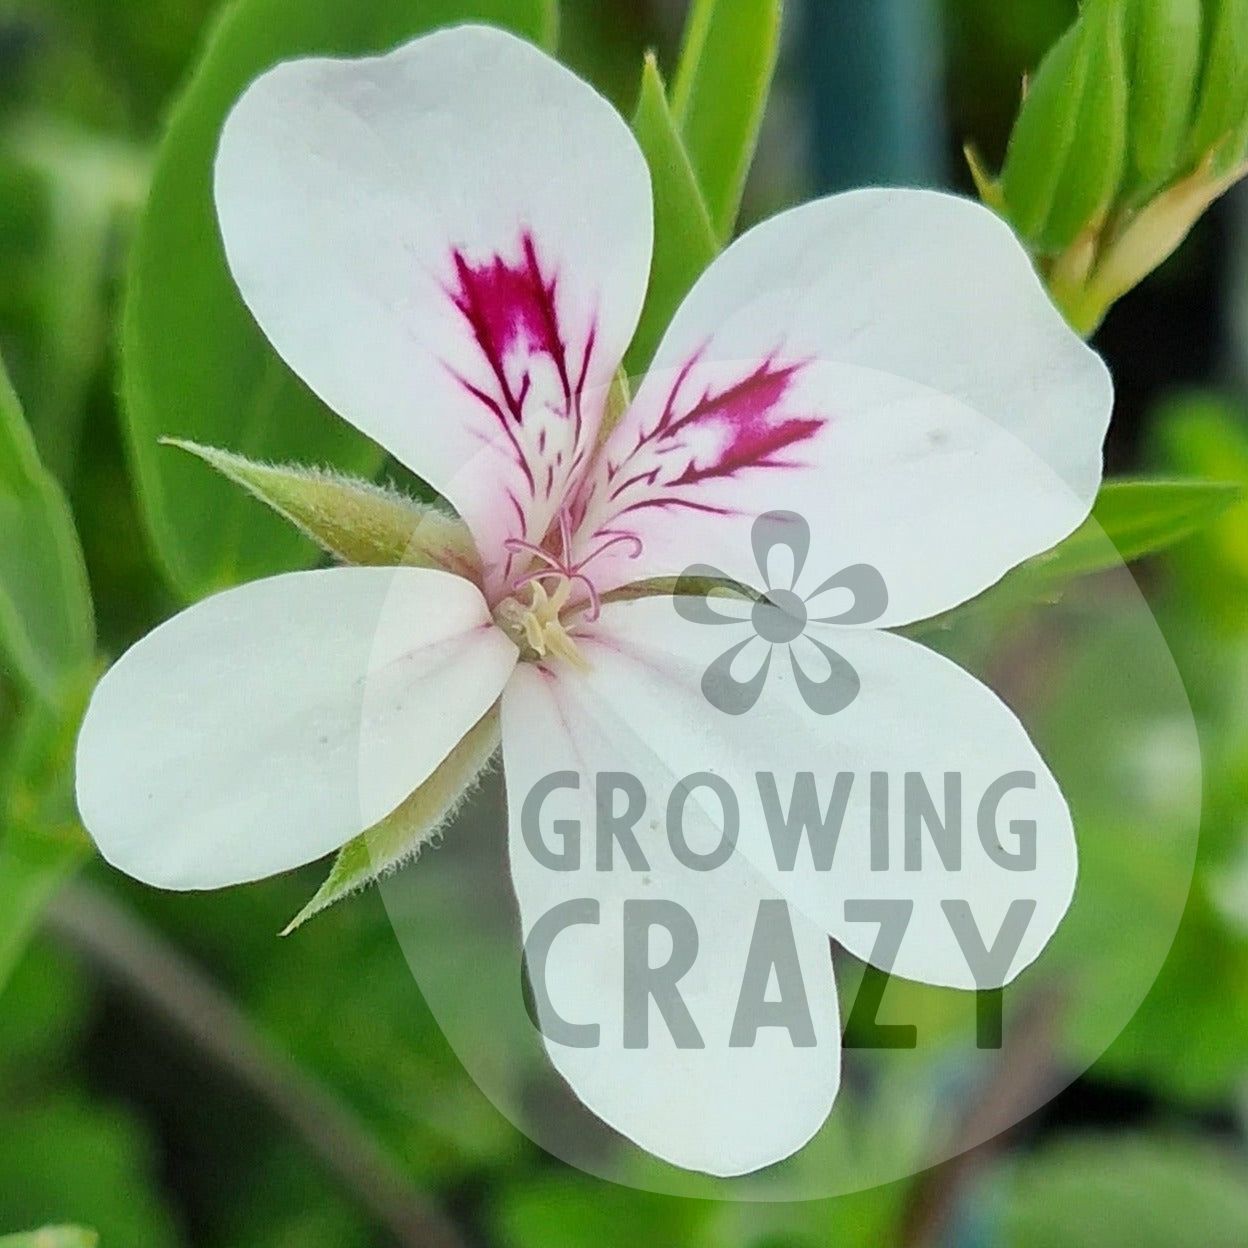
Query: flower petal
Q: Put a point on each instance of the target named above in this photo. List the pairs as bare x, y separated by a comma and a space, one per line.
450, 244
736, 1082
1002, 866
269, 724
887, 365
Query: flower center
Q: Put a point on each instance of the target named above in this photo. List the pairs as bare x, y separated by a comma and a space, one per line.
545, 623
538, 627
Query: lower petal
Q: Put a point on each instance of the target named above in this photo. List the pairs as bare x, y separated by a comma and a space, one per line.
267, 725
919, 814
732, 1062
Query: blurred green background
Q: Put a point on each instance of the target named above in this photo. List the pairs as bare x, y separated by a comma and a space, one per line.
171, 1074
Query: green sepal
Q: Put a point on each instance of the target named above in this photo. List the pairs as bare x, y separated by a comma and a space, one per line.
401, 835
684, 239
1066, 155
1220, 132
988, 187
355, 521
1164, 46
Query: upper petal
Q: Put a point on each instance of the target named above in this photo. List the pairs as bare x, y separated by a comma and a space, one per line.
923, 792
886, 364
722, 1083
450, 244
267, 725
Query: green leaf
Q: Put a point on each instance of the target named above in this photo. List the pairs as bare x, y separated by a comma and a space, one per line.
1149, 1192
52, 1237
63, 1157
684, 240
720, 95
41, 840
1206, 435
1065, 157
401, 835
571, 1212
47, 628
355, 521
194, 364
1163, 40
31, 871
1131, 519
94, 186
1140, 518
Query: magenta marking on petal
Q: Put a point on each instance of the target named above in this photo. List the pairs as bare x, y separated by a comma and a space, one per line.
715, 435
530, 375
509, 305
748, 413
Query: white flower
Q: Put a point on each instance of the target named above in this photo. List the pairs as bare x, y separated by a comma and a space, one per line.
450, 244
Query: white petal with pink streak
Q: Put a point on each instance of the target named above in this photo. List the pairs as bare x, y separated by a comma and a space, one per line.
450, 244
885, 363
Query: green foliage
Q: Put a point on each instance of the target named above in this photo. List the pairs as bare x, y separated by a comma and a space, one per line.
46, 1004
65, 1159
46, 639
41, 841
720, 95
560, 1214
46, 620
194, 364
1130, 520
1208, 436
1149, 1192
1066, 154
90, 190
684, 240
1189, 1039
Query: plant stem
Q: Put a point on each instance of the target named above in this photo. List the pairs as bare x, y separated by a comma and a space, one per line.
1028, 1069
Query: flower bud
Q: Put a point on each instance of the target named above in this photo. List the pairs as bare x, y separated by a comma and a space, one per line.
1136, 121
1220, 132
1066, 155
1163, 46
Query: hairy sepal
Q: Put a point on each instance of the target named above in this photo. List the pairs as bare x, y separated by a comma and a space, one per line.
402, 834
356, 521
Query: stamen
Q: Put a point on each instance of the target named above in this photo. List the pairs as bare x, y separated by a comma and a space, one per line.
631, 538
595, 601
566, 573
517, 545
